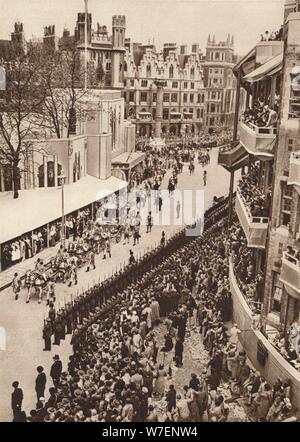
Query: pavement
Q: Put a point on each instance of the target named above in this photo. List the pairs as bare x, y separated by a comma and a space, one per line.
22, 323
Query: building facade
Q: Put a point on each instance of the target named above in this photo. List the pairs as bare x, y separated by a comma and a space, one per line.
199, 94
219, 83
270, 77
183, 94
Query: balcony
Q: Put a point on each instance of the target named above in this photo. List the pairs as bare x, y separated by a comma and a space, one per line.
187, 117
294, 170
175, 117
144, 117
233, 156
254, 227
258, 141
290, 275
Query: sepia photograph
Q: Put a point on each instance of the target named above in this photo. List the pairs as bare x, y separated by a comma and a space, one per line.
149, 215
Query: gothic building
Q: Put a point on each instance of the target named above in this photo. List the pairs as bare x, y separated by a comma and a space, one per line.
199, 93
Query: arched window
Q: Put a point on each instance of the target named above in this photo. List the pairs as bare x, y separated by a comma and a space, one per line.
171, 71
192, 73
148, 70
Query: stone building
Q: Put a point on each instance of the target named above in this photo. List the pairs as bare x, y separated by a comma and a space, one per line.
183, 94
270, 72
219, 83
199, 93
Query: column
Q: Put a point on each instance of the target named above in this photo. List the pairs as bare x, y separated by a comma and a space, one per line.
55, 170
230, 197
237, 106
266, 176
159, 106
273, 90
45, 158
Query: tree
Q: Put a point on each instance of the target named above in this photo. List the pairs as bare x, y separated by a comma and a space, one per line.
63, 84
22, 104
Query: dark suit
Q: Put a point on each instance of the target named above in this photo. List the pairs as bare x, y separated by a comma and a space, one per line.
16, 401
55, 372
40, 384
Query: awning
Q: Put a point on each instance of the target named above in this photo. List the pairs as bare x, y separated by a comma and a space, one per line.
269, 68
128, 159
144, 113
36, 207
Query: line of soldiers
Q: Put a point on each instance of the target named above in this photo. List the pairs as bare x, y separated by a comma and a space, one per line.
77, 314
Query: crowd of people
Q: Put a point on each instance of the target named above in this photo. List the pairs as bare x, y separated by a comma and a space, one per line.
262, 113
130, 339
272, 36
256, 201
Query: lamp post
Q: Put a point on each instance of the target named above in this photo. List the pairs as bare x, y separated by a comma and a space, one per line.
62, 178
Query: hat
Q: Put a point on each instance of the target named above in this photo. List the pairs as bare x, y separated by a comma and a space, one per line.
56, 357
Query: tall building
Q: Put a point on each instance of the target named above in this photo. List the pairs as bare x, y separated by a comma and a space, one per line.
199, 94
267, 140
219, 82
183, 94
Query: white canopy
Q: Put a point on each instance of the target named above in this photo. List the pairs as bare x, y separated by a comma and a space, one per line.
37, 207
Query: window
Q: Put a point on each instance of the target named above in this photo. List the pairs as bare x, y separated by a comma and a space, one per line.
217, 56
215, 80
192, 85
213, 95
216, 71
143, 96
174, 98
286, 204
192, 73
165, 114
174, 84
125, 66
166, 98
198, 113
144, 83
131, 96
294, 110
291, 142
154, 97
184, 98
185, 85
213, 108
154, 113
201, 113
171, 71
131, 83
199, 98
192, 98
148, 70
277, 290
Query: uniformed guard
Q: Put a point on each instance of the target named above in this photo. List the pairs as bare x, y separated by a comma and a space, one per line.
47, 333
57, 330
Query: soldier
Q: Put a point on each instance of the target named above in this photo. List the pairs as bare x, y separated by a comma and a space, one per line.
72, 273
16, 285
52, 313
63, 323
81, 309
57, 331
91, 260
47, 333
50, 292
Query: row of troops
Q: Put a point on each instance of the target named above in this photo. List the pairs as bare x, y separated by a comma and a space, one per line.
79, 312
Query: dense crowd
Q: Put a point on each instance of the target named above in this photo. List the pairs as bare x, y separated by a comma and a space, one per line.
255, 200
199, 141
262, 114
119, 371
